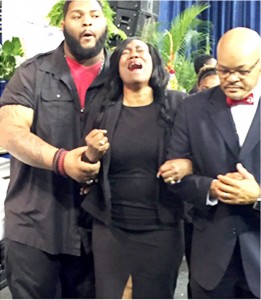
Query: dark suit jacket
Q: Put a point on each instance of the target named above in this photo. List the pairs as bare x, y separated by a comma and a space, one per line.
204, 131
97, 201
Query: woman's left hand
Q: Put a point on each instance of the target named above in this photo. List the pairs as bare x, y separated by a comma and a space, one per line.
172, 171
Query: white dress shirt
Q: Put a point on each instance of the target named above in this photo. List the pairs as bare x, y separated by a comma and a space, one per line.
243, 116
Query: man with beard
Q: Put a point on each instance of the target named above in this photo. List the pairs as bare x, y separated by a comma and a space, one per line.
41, 118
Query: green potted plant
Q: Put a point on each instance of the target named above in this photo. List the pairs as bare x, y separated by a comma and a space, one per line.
186, 31
10, 51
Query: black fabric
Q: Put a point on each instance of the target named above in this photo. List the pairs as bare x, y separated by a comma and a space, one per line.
152, 258
98, 201
133, 172
42, 209
204, 131
233, 285
34, 274
39, 213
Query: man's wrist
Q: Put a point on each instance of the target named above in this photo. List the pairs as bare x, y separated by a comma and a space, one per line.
58, 162
258, 201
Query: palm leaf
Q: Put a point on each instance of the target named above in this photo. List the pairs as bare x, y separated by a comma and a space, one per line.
186, 35
184, 23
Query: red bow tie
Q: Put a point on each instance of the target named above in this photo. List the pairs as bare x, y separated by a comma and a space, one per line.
248, 100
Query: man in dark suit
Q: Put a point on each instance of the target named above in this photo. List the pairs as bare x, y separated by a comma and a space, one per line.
221, 135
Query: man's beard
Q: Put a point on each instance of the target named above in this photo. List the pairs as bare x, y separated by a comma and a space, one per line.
81, 53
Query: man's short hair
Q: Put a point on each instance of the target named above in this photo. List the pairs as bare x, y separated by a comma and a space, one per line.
201, 60
68, 2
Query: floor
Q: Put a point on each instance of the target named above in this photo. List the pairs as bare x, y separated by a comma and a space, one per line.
180, 293
181, 290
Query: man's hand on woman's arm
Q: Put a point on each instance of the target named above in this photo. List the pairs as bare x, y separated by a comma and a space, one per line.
16, 137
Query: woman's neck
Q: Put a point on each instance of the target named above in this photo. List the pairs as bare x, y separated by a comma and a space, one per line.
139, 97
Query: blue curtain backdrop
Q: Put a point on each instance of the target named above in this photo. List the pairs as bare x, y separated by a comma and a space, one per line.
224, 15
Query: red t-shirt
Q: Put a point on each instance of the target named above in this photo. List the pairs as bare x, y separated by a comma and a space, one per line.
83, 76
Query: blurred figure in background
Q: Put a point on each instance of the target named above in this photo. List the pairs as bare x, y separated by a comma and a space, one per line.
207, 77
199, 62
203, 59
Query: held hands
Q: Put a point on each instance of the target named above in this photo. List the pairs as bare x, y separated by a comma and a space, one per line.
172, 171
235, 188
77, 169
97, 143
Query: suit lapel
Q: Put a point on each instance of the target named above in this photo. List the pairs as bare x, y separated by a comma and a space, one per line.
222, 118
164, 132
109, 124
162, 146
253, 136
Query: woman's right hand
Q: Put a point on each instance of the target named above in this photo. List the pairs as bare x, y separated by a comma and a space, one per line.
97, 144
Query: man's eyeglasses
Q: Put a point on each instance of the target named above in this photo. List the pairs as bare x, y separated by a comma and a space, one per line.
224, 73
